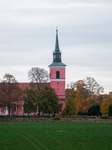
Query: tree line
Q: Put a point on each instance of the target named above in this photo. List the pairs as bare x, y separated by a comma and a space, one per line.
40, 97
82, 97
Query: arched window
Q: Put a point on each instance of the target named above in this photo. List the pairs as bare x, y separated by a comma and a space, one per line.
57, 75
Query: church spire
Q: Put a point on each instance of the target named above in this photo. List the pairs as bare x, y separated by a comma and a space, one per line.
57, 53
57, 43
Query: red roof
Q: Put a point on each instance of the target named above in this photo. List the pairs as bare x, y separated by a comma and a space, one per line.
29, 85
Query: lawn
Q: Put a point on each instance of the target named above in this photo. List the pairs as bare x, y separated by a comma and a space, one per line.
55, 136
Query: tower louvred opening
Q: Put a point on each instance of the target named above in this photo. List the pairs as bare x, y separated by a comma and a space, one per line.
57, 75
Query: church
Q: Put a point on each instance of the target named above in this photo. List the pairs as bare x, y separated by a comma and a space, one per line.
57, 80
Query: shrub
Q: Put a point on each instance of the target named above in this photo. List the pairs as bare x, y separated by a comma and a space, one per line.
56, 118
94, 110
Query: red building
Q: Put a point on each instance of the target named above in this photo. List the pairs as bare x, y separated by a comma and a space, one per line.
57, 80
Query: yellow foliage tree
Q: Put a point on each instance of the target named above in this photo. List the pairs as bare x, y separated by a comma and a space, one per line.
106, 103
86, 105
83, 97
71, 102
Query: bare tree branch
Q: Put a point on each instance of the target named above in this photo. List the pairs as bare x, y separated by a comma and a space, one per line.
38, 75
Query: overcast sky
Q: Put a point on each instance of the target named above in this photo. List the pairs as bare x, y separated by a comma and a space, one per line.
28, 30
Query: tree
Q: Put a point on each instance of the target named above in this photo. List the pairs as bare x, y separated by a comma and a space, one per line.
93, 86
83, 97
105, 106
30, 101
71, 102
72, 85
38, 75
88, 83
48, 101
106, 103
9, 92
87, 90
100, 99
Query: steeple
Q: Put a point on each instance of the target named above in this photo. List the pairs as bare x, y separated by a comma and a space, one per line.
57, 43
57, 53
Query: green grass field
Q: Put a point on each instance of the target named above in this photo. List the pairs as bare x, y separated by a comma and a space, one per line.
55, 136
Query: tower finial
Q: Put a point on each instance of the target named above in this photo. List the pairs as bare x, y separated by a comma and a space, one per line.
56, 44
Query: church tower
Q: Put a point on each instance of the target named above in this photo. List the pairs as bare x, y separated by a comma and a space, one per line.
57, 73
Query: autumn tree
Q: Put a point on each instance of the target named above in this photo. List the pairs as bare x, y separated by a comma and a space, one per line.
80, 100
48, 100
39, 76
100, 99
106, 103
71, 102
105, 106
88, 90
9, 92
88, 83
30, 101
83, 96
94, 89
